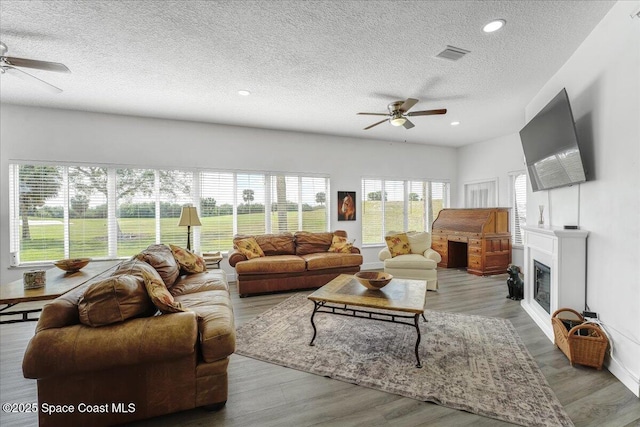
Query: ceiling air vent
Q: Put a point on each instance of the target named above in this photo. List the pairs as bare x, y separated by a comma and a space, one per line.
452, 53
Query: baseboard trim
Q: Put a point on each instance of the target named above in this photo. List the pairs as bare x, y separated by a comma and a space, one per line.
624, 376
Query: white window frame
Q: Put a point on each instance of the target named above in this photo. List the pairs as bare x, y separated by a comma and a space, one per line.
111, 229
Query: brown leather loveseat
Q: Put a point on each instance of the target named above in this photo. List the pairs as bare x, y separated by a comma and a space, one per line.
292, 261
114, 371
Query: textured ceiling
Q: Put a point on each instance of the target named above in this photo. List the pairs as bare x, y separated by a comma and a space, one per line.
310, 65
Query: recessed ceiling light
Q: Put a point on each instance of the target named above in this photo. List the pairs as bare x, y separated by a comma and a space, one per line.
455, 123
244, 92
494, 25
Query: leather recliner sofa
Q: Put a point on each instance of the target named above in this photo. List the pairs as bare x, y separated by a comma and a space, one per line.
142, 367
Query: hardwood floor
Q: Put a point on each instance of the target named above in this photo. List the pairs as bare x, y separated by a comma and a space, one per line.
261, 394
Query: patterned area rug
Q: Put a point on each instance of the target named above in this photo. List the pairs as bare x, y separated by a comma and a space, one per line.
472, 363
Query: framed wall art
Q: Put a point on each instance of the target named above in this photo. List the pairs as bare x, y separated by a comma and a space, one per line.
346, 205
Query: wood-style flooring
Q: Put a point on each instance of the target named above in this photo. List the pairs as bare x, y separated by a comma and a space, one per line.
262, 394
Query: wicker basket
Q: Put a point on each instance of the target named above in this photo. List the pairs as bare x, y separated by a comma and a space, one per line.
584, 343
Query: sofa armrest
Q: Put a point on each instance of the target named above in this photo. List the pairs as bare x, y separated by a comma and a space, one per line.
235, 256
355, 250
431, 254
80, 348
384, 254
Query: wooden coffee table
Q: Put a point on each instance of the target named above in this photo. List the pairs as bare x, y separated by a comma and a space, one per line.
58, 283
401, 301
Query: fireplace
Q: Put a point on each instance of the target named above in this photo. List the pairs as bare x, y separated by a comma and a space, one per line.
542, 285
554, 272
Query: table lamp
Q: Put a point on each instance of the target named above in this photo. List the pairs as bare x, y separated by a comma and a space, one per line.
189, 217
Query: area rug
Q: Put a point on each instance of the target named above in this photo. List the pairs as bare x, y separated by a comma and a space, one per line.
471, 363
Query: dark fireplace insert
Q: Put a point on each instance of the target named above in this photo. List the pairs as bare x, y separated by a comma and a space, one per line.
542, 285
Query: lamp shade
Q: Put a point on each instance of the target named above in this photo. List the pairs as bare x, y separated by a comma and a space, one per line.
189, 216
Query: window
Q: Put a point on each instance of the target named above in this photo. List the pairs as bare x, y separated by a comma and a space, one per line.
250, 199
518, 191
395, 205
60, 211
481, 194
216, 211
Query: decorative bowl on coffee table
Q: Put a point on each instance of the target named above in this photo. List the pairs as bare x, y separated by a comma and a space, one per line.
72, 265
373, 280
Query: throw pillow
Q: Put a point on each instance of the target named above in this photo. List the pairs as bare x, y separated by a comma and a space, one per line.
340, 244
398, 244
114, 299
160, 295
188, 261
161, 259
249, 248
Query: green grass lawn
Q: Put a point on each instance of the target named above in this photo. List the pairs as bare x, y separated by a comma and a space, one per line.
88, 237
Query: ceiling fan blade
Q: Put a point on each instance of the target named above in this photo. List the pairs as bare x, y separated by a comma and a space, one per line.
375, 124
428, 112
373, 114
38, 65
31, 79
408, 125
406, 106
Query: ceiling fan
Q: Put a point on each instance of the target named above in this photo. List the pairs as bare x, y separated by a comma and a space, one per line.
398, 113
8, 65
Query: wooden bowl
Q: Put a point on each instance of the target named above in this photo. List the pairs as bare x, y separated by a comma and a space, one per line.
72, 265
373, 279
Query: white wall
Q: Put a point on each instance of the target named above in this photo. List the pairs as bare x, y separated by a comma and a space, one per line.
490, 160
602, 79
70, 136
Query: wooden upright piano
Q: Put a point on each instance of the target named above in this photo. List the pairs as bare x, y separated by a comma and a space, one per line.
478, 239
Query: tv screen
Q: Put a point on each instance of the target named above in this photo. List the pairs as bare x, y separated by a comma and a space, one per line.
550, 146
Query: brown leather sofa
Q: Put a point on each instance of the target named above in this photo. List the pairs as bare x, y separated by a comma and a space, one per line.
138, 368
292, 261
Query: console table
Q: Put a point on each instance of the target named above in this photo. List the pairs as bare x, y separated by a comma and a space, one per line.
58, 282
478, 239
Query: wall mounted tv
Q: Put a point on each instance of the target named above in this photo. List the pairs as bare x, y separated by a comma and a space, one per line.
550, 146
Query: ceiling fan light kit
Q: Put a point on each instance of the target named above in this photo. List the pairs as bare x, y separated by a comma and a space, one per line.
399, 111
398, 120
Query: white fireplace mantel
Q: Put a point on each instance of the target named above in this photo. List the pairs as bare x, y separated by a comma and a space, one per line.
565, 252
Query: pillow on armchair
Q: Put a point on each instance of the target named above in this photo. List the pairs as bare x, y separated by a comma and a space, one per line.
419, 243
398, 244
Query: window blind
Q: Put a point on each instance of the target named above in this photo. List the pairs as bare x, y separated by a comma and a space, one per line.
135, 195
394, 208
61, 211
372, 211
250, 199
395, 205
314, 200
519, 206
87, 212
40, 212
216, 210
286, 206
175, 191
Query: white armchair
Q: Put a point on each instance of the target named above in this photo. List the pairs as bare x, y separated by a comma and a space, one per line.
420, 264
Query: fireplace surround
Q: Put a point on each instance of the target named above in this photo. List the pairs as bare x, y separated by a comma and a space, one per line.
555, 263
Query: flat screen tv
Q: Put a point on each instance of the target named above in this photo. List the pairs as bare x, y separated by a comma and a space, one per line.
550, 145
